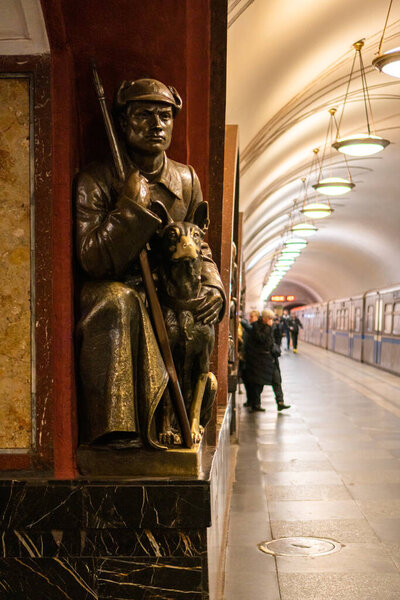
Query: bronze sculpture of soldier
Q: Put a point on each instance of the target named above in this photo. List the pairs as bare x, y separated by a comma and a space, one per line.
122, 374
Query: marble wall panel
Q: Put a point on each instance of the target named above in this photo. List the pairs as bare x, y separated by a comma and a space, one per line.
15, 264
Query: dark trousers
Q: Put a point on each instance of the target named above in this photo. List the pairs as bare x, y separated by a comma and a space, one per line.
295, 335
254, 390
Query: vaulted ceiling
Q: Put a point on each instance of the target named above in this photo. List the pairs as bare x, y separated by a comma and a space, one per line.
288, 63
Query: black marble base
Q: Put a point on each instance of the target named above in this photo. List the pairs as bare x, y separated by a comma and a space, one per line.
111, 539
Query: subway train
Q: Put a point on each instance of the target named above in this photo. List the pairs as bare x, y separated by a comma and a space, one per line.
365, 327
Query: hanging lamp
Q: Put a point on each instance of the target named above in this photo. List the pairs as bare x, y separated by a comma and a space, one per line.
332, 186
388, 62
305, 228
312, 210
295, 243
361, 144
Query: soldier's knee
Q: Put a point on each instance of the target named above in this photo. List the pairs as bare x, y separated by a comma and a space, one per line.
121, 296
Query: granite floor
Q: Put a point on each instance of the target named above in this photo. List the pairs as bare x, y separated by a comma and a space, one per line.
329, 467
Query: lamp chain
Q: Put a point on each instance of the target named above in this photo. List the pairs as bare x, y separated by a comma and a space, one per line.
345, 96
384, 27
367, 101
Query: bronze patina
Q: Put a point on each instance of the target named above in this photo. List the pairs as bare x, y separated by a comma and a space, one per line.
122, 373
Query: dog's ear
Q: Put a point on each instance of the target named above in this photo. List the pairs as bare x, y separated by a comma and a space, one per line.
200, 217
159, 209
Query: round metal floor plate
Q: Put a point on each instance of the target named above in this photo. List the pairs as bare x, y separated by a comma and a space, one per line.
300, 546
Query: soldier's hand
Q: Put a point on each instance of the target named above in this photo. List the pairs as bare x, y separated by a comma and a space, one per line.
209, 306
137, 189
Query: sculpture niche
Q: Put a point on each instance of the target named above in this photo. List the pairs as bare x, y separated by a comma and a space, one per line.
125, 397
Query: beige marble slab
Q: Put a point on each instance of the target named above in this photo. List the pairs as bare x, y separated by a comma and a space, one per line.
15, 265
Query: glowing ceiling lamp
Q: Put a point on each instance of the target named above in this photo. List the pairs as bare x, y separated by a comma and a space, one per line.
332, 186
305, 228
388, 62
285, 261
293, 254
311, 210
361, 144
295, 244
315, 210
288, 250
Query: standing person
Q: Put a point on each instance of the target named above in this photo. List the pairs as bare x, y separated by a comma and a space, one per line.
246, 328
277, 330
285, 327
294, 325
262, 367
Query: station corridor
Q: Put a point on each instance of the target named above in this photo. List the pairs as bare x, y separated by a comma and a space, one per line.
327, 468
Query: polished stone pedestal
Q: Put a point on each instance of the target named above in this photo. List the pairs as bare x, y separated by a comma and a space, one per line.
113, 538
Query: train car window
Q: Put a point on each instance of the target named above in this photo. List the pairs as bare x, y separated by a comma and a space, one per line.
346, 319
396, 319
370, 318
357, 319
330, 320
388, 318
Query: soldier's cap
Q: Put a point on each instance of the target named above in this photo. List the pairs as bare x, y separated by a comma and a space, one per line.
147, 90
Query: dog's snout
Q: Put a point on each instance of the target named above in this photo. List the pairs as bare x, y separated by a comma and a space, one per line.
185, 248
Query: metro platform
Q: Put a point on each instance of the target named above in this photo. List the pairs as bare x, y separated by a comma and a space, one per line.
329, 467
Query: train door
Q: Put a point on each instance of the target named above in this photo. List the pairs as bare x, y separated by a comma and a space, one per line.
368, 347
351, 308
356, 329
330, 333
324, 327
378, 330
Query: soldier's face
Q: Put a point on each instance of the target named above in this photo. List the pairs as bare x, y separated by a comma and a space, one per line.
148, 126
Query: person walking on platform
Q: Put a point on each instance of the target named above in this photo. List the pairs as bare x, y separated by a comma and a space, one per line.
294, 326
285, 327
246, 328
261, 362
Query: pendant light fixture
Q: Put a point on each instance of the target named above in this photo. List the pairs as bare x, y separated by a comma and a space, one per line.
388, 62
294, 243
332, 186
303, 227
316, 210
361, 144
312, 210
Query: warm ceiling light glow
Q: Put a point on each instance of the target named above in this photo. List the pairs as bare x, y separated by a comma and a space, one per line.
296, 249
361, 144
317, 210
333, 186
290, 254
306, 229
285, 262
389, 62
296, 243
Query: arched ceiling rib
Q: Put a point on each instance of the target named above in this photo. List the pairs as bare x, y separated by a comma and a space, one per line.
288, 63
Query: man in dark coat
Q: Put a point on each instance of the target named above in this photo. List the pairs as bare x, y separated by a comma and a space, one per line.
123, 376
294, 325
261, 362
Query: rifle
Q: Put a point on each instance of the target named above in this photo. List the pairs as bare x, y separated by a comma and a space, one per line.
155, 308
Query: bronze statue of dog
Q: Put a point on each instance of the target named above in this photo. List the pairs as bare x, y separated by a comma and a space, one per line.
191, 340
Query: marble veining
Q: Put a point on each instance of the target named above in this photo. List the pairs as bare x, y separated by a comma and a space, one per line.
116, 540
15, 265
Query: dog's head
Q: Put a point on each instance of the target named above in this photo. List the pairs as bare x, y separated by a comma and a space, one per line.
182, 240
